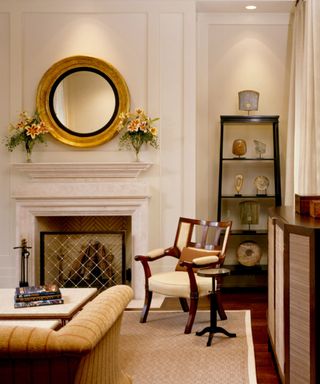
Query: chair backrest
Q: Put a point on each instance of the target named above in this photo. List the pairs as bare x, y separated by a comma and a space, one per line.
203, 234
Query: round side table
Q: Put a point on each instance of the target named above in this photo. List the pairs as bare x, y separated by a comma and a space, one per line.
212, 329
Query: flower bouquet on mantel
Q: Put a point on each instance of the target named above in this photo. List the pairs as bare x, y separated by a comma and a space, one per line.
138, 129
27, 132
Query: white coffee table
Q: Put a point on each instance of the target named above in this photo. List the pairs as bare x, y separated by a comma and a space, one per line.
74, 300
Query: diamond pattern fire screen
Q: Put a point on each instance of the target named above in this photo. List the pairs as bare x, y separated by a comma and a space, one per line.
83, 259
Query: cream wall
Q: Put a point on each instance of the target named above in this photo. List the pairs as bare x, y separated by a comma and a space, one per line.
6, 263
236, 52
174, 61
152, 44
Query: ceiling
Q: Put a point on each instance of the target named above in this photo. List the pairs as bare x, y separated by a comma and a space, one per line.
238, 6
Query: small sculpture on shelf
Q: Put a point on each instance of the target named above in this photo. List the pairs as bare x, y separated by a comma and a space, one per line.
239, 147
260, 147
238, 183
262, 184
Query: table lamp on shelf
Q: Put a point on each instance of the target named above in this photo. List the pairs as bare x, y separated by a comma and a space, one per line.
249, 213
248, 100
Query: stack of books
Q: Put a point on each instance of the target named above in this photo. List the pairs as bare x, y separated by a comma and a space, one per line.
35, 296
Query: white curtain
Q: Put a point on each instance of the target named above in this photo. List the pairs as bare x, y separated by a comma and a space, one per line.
303, 139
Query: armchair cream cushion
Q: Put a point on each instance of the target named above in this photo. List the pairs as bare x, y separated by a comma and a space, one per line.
177, 283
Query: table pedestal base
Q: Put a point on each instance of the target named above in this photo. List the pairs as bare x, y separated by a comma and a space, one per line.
212, 329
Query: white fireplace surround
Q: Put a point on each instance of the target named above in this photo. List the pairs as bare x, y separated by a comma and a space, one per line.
82, 189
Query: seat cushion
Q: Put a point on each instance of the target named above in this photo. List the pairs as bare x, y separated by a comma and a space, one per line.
177, 284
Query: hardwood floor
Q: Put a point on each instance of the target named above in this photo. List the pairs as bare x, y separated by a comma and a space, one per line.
257, 303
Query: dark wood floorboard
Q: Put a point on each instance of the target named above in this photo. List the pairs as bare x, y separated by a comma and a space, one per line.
257, 303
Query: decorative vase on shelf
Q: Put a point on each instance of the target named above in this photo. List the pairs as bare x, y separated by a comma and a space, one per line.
27, 132
28, 148
28, 157
138, 129
136, 146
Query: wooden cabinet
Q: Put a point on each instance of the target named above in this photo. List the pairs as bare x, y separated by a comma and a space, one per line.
293, 294
249, 161
276, 290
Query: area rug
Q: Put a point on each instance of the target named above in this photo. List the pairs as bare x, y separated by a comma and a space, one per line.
158, 352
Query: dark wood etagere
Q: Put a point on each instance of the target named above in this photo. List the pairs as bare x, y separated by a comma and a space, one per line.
252, 164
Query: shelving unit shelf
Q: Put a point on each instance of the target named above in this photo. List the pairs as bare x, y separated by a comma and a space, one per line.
248, 273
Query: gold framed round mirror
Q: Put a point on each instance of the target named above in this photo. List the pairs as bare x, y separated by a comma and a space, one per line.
80, 99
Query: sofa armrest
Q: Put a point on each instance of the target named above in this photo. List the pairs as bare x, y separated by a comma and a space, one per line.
84, 331
18, 341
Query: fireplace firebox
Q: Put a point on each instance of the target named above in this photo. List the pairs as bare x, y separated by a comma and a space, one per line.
83, 259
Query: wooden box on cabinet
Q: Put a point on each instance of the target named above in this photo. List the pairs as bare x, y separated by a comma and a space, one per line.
315, 208
302, 203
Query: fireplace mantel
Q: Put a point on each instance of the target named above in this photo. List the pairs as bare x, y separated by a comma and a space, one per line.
93, 171
82, 189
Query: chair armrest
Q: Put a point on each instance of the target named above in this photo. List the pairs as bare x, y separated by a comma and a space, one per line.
201, 261
190, 265
158, 253
153, 255
211, 260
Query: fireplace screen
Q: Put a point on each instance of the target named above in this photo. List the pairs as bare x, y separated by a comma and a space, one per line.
83, 259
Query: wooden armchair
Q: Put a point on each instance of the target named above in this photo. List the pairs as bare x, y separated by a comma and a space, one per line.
207, 252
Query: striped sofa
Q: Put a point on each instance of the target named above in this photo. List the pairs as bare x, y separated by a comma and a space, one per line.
84, 351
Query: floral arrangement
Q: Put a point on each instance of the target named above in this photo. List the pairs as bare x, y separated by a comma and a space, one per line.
28, 131
139, 129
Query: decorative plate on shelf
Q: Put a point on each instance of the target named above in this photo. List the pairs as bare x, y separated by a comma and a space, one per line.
261, 183
249, 253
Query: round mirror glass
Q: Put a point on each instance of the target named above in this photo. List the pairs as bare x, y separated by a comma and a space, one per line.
84, 102
80, 99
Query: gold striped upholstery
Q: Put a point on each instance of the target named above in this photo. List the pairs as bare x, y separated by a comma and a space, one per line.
84, 351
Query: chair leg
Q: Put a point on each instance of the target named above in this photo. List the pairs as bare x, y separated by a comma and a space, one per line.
221, 311
184, 304
192, 315
146, 306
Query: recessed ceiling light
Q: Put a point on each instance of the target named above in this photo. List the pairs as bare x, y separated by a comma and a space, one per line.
250, 7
